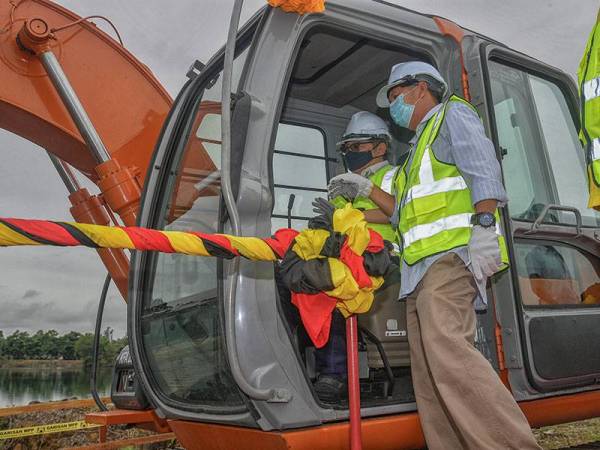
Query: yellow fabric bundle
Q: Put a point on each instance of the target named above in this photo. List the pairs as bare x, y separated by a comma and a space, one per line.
353, 299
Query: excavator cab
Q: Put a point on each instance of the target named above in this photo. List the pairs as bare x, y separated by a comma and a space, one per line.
209, 358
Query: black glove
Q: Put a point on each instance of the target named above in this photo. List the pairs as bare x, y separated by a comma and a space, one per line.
324, 218
322, 207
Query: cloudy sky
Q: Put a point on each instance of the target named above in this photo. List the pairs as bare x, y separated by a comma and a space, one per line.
45, 288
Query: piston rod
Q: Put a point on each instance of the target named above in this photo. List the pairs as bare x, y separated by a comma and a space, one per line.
69, 97
65, 173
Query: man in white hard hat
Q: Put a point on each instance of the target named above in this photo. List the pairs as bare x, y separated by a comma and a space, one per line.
364, 146
445, 209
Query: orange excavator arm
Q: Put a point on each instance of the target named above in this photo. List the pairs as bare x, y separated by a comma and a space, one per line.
123, 99
47, 52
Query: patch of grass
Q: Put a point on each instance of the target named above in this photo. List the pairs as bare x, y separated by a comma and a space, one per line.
568, 434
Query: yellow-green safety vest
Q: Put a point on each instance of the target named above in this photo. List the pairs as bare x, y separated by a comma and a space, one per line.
435, 201
383, 178
589, 94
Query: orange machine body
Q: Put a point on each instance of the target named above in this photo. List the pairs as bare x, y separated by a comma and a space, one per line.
399, 432
127, 106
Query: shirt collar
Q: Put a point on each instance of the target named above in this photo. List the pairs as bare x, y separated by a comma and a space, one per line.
423, 121
372, 169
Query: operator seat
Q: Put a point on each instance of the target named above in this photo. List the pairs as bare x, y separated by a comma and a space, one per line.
386, 322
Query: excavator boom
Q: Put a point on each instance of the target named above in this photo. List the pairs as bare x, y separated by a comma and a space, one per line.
123, 99
80, 95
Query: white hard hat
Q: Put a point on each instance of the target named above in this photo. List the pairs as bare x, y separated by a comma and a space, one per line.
407, 72
365, 126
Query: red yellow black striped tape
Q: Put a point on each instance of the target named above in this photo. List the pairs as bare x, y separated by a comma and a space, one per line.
345, 276
15, 232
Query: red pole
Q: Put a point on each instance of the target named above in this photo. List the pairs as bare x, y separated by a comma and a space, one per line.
353, 383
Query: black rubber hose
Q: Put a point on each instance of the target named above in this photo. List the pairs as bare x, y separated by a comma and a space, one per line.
96, 346
386, 363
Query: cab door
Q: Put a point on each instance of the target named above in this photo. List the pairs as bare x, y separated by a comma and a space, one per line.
549, 306
307, 76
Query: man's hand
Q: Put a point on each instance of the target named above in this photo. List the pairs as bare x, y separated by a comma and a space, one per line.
349, 186
484, 252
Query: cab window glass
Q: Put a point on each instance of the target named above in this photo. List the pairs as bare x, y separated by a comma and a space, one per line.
181, 317
299, 169
552, 275
543, 161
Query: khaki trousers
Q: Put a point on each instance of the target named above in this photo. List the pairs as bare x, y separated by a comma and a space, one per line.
461, 400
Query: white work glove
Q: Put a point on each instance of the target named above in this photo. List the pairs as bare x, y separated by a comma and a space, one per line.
484, 252
349, 186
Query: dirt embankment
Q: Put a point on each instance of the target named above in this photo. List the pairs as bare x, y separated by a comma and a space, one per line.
75, 364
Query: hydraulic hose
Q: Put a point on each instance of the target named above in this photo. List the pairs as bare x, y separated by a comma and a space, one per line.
96, 346
384, 359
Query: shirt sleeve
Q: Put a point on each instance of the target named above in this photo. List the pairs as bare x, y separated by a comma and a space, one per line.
473, 154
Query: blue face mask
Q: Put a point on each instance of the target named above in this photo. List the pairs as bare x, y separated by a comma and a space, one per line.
401, 111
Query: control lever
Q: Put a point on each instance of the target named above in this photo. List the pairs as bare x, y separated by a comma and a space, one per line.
289, 209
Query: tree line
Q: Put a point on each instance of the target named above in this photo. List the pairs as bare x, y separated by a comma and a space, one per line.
51, 345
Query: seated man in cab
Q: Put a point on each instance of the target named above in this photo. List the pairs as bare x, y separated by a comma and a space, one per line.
364, 147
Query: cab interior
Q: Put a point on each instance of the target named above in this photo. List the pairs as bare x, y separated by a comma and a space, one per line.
337, 74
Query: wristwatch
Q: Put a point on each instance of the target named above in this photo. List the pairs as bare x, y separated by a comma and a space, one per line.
484, 219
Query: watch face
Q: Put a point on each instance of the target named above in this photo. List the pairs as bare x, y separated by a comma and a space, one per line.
487, 220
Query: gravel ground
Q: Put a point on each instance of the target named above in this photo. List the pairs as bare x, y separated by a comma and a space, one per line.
57, 441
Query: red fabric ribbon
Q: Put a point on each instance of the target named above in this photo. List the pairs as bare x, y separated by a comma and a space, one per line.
315, 312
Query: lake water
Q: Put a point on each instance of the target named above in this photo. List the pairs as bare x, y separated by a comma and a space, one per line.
21, 386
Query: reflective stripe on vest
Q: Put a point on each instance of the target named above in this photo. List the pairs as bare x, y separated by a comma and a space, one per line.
591, 89
436, 206
588, 75
387, 181
433, 187
421, 232
595, 149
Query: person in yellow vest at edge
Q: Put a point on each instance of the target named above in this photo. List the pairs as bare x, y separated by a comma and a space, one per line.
589, 93
364, 148
445, 208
